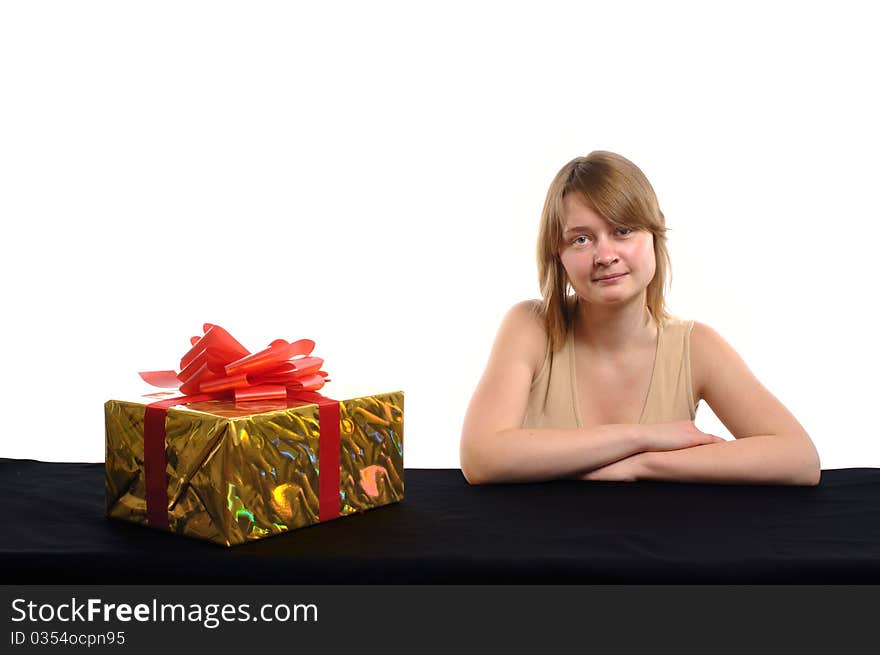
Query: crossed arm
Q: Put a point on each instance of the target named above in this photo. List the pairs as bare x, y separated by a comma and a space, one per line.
771, 447
763, 459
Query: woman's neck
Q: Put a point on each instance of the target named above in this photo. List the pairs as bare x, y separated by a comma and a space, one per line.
614, 329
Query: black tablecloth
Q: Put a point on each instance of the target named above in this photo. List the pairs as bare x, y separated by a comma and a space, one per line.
445, 531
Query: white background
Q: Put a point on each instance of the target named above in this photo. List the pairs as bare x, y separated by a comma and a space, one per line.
370, 175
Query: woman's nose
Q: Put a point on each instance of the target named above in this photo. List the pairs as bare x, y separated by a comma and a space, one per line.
604, 253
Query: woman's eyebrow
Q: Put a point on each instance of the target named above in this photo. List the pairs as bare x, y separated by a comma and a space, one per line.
577, 228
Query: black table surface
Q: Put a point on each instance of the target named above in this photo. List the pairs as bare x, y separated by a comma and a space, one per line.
448, 532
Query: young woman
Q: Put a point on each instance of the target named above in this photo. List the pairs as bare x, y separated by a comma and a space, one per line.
597, 381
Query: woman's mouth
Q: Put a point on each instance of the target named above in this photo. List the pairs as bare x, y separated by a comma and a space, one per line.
609, 279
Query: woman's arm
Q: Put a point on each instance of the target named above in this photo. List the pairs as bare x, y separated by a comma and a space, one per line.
526, 455
771, 447
760, 459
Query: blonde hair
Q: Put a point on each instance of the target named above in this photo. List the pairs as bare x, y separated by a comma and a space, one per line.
619, 192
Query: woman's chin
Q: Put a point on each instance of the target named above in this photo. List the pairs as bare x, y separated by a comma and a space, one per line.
611, 298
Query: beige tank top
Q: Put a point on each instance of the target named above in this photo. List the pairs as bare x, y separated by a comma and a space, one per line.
553, 397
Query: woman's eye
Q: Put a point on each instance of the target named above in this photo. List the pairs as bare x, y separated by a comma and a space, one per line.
577, 240
624, 231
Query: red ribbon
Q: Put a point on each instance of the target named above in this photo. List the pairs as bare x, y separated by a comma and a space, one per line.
217, 366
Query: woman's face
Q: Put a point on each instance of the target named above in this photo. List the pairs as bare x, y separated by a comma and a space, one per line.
593, 249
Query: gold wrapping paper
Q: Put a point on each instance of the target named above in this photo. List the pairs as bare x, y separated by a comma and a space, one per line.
243, 471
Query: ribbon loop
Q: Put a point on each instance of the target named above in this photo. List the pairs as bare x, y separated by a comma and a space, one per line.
217, 364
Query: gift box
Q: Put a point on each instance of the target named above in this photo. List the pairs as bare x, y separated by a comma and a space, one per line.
231, 457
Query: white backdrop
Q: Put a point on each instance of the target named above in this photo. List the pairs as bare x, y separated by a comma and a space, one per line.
370, 175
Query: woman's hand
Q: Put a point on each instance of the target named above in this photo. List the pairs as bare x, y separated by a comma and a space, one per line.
675, 435
672, 435
628, 469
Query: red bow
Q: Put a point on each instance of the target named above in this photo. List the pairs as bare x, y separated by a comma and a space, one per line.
219, 365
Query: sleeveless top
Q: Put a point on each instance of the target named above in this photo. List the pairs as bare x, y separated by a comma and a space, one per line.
553, 401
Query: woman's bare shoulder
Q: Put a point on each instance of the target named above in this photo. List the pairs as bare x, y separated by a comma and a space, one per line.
529, 308
708, 350
528, 315
705, 341
524, 328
